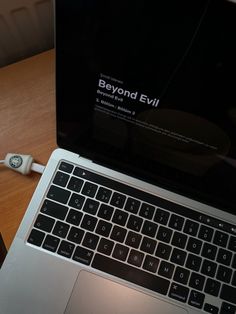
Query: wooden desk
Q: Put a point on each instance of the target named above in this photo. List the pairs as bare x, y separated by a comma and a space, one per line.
27, 126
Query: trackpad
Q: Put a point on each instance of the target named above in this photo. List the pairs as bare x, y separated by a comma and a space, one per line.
93, 294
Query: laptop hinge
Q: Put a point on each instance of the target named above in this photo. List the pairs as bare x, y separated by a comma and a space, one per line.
85, 159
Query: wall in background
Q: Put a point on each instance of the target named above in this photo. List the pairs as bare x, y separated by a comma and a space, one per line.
26, 28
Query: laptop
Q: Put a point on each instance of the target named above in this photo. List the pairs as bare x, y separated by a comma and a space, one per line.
135, 211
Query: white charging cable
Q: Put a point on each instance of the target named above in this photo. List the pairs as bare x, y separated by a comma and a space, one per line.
22, 163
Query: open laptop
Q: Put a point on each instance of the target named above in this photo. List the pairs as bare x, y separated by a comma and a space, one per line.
135, 212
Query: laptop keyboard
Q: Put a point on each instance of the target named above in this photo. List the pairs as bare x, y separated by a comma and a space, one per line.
161, 246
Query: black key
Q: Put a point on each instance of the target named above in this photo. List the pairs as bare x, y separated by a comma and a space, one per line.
227, 308
58, 194
197, 281
120, 252
166, 269
209, 308
208, 268
61, 178
118, 234
51, 243
179, 240
146, 211
163, 251
89, 189
61, 229
176, 222
194, 245
220, 238
234, 261
234, 279
89, 222
105, 246
164, 234
232, 244
66, 249
191, 227
77, 201
44, 223
205, 233
149, 228
178, 292
54, 209
75, 184
82, 255
120, 217
178, 256
193, 262
224, 257
151, 263
129, 273
132, 205
91, 206
135, 258
103, 195
133, 239
224, 274
118, 200
181, 275
64, 166
134, 223
105, 211
196, 299
103, 228
75, 235
161, 216
79, 172
36, 237
74, 217
148, 245
90, 240
212, 287
209, 251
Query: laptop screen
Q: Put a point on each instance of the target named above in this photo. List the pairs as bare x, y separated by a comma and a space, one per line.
149, 89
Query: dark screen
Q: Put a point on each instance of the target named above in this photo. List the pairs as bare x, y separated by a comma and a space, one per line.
149, 89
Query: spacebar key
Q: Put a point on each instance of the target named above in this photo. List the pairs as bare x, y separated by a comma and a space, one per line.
129, 273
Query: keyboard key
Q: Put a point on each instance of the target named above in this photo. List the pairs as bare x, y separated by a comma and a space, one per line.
234, 279
209, 251
118, 200
89, 222
135, 258
61, 178
196, 299
191, 227
118, 234
161, 216
135, 223
44, 223
51, 243
228, 293
232, 244
220, 238
132, 205
178, 292
79, 172
66, 249
89, 189
224, 274
164, 234
146, 211
129, 273
224, 257
176, 222
91, 206
133, 239
103, 228
179, 240
181, 275
208, 268
76, 201
234, 261
194, 245
227, 308
103, 195
178, 256
54, 209
90, 241
75, 235
166, 269
151, 263
120, 217
82, 255
149, 228
197, 281
58, 194
74, 217
209, 308
163, 251
61, 229
64, 166
212, 287
205, 233
105, 246
75, 184
120, 252
193, 262
105, 211
148, 245
36, 237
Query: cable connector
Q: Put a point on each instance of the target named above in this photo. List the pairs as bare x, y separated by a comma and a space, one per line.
22, 163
